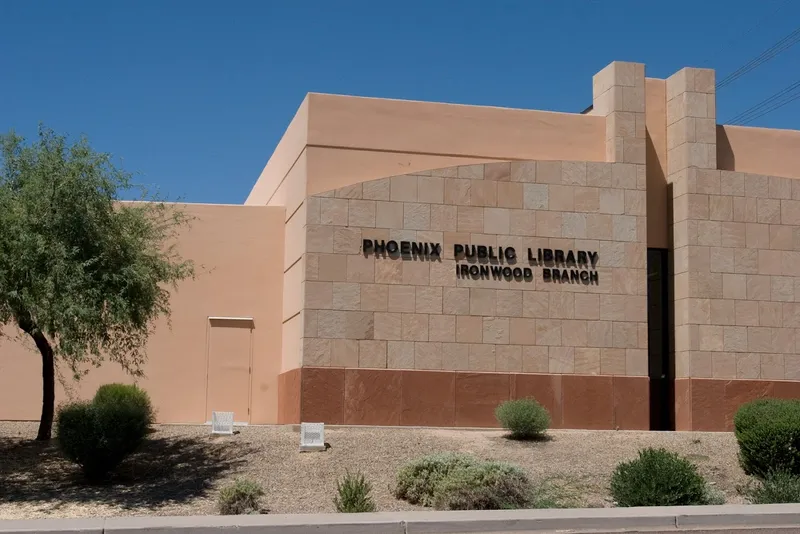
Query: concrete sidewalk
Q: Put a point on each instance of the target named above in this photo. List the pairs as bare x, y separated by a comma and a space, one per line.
765, 518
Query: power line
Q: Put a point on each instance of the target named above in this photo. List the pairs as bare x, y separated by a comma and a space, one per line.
782, 45
781, 98
773, 108
764, 103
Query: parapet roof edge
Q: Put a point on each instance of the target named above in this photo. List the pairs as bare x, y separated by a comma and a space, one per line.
454, 104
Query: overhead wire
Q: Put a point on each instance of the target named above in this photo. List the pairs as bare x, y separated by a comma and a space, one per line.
778, 100
758, 107
773, 108
782, 45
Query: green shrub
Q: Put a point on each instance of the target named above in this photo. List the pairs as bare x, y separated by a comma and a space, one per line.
80, 439
416, 480
487, 486
98, 435
458, 482
524, 418
132, 396
353, 494
768, 433
715, 496
778, 487
241, 497
658, 478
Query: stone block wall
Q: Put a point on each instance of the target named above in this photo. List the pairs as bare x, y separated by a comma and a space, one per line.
429, 340
736, 269
363, 311
737, 281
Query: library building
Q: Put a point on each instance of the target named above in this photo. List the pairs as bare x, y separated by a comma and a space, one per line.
635, 265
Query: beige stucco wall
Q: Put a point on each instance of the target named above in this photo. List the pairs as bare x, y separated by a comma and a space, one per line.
235, 250
336, 141
348, 140
657, 194
363, 311
282, 160
766, 151
293, 262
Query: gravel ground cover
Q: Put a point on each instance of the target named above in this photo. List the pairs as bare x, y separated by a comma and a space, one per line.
181, 468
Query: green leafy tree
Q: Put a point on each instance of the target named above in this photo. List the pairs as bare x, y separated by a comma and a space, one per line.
82, 273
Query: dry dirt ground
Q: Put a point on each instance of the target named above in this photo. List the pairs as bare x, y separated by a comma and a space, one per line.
181, 468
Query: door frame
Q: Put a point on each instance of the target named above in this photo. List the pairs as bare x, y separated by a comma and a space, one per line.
252, 325
661, 372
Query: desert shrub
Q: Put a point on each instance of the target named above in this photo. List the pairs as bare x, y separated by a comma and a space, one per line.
768, 433
715, 496
523, 418
353, 494
132, 396
98, 435
777, 487
557, 491
459, 482
417, 479
80, 439
485, 486
658, 478
241, 497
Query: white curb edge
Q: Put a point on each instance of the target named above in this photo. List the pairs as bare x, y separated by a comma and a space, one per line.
666, 518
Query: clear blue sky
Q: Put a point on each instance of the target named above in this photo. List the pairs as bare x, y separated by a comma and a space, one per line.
195, 94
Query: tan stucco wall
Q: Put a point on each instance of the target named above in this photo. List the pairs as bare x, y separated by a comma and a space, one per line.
336, 141
348, 140
379, 312
293, 261
235, 249
656, 121
759, 150
283, 159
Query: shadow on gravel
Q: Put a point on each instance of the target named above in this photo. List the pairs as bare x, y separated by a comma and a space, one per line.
507, 438
164, 471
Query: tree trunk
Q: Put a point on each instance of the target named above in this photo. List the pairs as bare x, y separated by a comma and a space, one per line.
48, 386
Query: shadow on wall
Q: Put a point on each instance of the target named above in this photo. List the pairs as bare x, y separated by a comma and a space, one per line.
656, 197
671, 303
164, 471
726, 160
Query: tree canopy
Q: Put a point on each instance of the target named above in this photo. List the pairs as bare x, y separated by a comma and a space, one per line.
83, 273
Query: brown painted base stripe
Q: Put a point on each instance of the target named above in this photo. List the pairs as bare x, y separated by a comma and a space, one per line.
388, 397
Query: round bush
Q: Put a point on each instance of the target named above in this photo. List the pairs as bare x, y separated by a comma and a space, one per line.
416, 480
658, 478
523, 418
487, 486
241, 497
129, 395
98, 435
768, 433
79, 437
127, 407
778, 487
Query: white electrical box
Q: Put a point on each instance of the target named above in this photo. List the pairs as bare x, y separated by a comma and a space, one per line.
222, 423
312, 437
